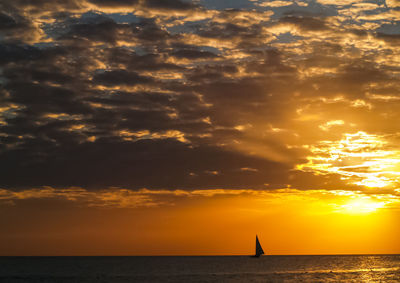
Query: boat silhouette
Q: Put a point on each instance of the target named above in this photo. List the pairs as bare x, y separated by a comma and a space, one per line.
259, 249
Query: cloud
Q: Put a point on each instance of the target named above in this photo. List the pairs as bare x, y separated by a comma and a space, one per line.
18, 52
340, 2
14, 26
393, 3
193, 54
119, 77
334, 201
113, 3
169, 5
275, 3
161, 94
364, 159
103, 30
306, 23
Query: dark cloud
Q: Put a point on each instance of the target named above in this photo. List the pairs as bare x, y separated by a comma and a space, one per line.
170, 4
6, 21
119, 77
306, 23
53, 75
17, 52
149, 31
132, 60
115, 3
164, 97
272, 64
40, 6
229, 30
393, 39
44, 98
193, 54
105, 30
145, 163
15, 27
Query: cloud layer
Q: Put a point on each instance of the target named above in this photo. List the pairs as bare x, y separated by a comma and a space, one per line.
194, 95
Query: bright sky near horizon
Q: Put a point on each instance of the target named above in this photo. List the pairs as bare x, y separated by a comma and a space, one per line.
151, 127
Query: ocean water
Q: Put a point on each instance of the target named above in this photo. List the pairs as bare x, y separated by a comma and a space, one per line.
334, 268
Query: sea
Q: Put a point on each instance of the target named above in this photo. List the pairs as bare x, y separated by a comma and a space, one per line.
315, 268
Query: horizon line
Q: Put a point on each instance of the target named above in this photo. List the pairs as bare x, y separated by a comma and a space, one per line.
218, 255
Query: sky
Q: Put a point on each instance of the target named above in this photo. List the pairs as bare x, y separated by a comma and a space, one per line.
177, 127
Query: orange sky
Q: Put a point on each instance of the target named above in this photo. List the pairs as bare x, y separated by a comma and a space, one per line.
288, 222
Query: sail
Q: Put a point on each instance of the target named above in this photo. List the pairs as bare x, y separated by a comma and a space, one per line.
259, 250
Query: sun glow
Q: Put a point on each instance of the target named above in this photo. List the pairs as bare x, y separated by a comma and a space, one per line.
357, 202
361, 159
361, 205
374, 182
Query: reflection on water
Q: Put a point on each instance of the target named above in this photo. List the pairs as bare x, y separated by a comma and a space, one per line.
348, 268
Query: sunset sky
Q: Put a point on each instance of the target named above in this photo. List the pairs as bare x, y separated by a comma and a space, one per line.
177, 127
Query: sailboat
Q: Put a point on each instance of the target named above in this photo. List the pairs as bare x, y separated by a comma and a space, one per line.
259, 249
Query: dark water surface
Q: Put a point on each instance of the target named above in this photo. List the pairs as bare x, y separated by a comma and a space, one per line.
332, 268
